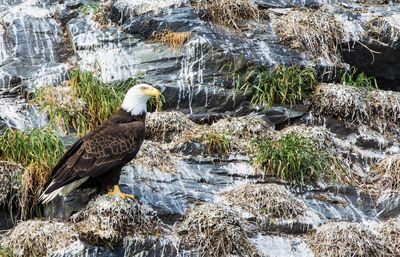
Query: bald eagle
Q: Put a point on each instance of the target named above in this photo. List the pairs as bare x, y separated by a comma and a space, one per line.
96, 159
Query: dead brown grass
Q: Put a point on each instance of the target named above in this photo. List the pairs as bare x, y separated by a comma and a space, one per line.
390, 231
10, 182
268, 200
246, 127
312, 31
154, 155
377, 109
40, 238
33, 179
387, 173
106, 219
343, 239
385, 29
227, 12
168, 126
174, 39
215, 231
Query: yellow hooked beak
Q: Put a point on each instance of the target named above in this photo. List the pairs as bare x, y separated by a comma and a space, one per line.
151, 91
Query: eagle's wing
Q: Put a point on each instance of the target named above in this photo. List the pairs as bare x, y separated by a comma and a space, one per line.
107, 147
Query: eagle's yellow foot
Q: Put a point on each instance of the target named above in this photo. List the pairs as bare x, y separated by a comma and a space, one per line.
117, 191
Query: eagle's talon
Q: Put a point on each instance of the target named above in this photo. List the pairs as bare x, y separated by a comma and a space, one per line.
117, 191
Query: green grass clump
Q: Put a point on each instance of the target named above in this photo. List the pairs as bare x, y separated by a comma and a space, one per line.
98, 102
293, 158
283, 85
6, 252
91, 7
101, 99
219, 144
354, 78
38, 150
64, 109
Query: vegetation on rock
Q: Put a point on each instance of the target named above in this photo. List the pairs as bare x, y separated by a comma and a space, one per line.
316, 32
38, 150
295, 158
89, 7
171, 38
40, 238
227, 12
377, 109
385, 29
266, 201
390, 231
168, 126
348, 239
246, 127
10, 183
283, 85
219, 144
107, 219
354, 78
6, 252
87, 103
215, 231
387, 173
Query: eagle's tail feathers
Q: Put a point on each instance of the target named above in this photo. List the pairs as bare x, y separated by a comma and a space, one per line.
62, 191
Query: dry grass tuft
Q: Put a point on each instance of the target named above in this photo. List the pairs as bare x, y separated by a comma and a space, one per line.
154, 155
107, 219
268, 200
101, 17
174, 39
63, 107
227, 12
388, 173
37, 150
246, 127
317, 33
215, 231
377, 109
390, 231
40, 238
385, 29
10, 179
167, 126
343, 239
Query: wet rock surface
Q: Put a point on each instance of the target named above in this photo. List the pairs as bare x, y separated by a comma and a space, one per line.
183, 192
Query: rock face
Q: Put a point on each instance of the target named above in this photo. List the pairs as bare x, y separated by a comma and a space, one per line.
191, 203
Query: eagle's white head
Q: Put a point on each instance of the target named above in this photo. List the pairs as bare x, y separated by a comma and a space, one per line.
136, 98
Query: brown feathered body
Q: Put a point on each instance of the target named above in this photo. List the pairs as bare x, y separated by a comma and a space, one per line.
96, 159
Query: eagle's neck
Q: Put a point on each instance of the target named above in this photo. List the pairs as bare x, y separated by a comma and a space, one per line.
135, 104
123, 116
